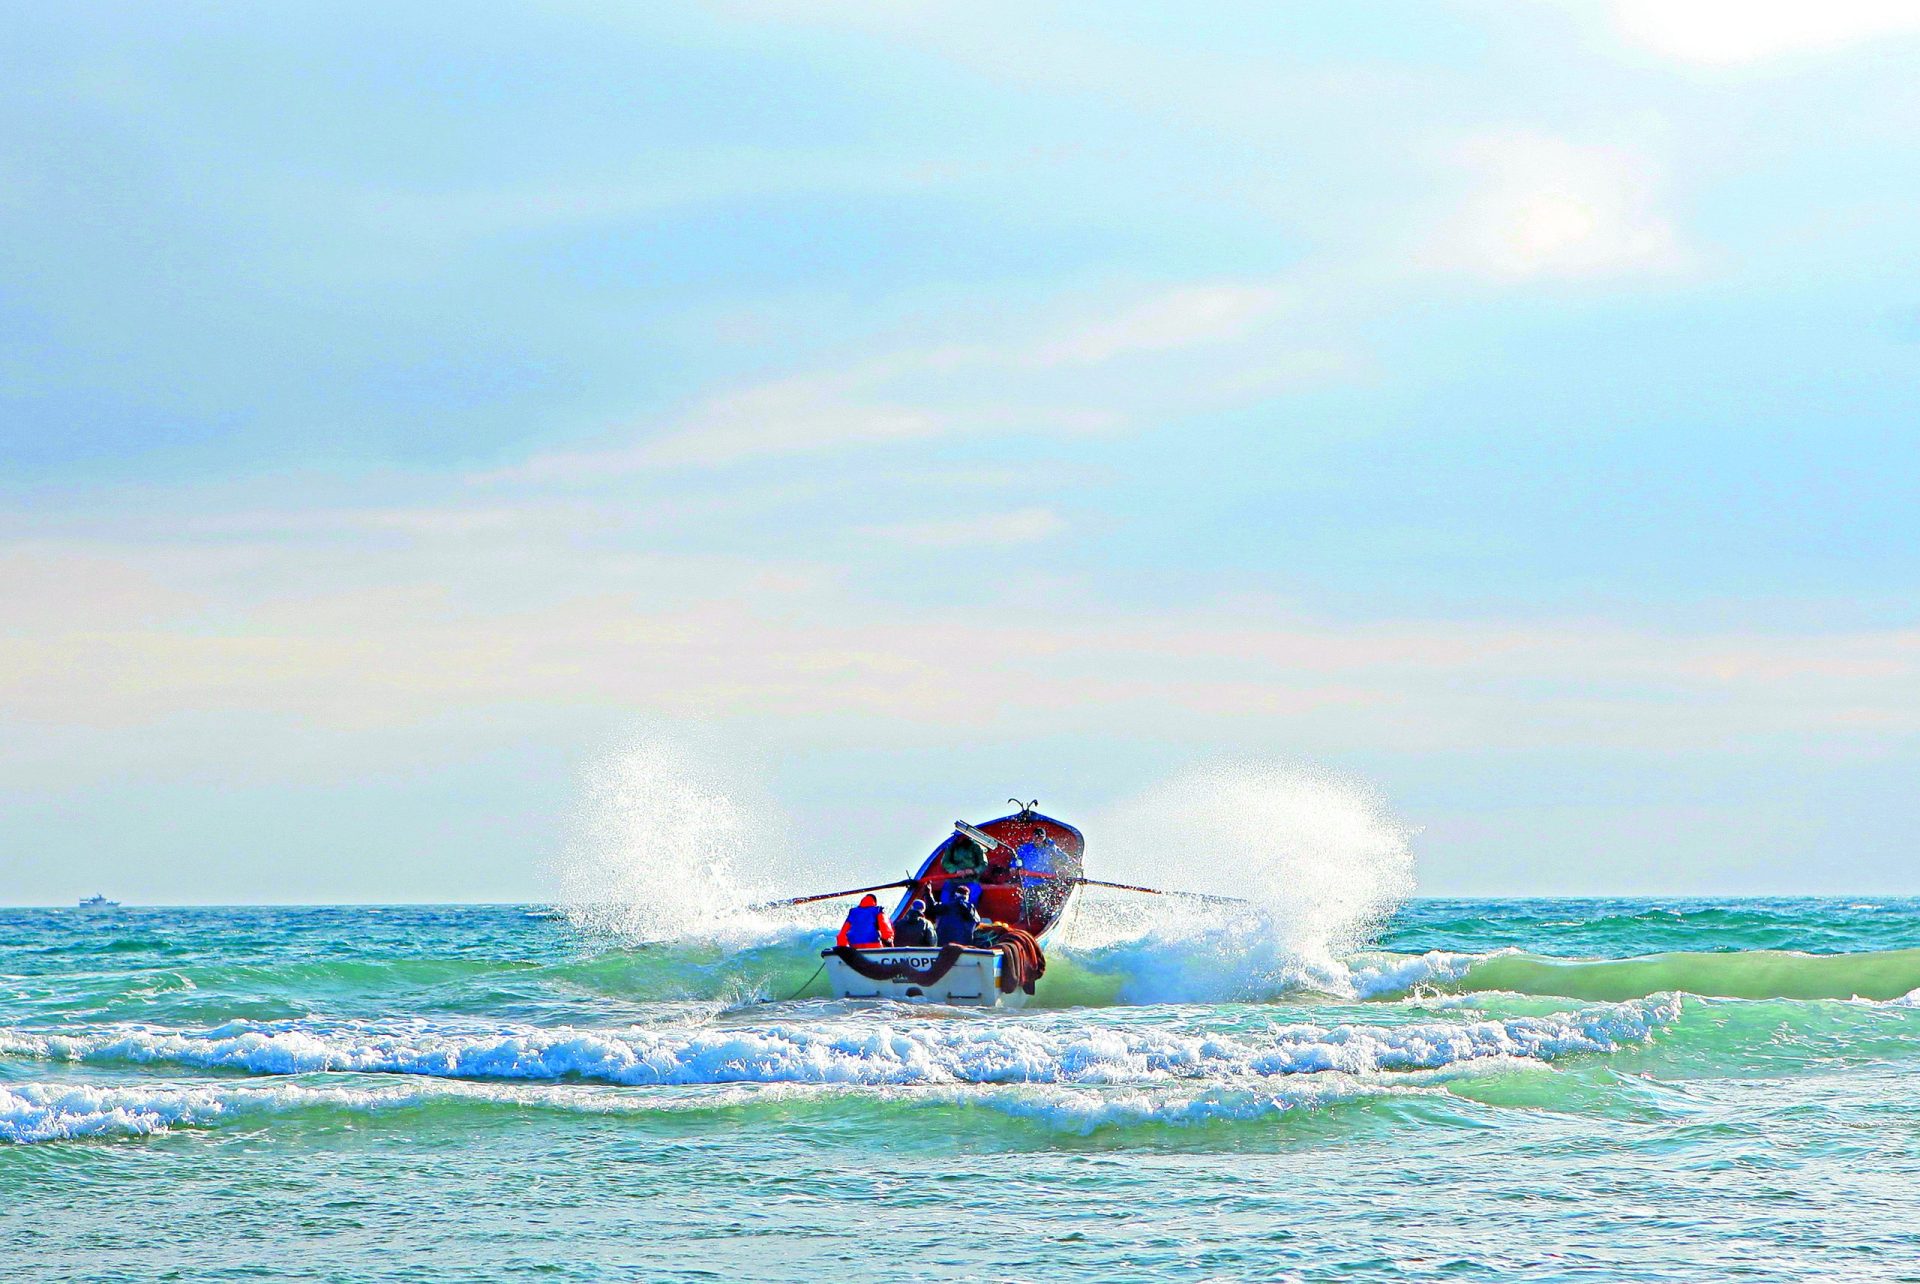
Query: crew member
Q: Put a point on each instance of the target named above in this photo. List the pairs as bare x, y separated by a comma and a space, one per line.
963, 859
1040, 854
913, 928
866, 927
957, 919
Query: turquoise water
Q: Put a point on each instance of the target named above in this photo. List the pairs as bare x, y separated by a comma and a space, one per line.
1516, 1090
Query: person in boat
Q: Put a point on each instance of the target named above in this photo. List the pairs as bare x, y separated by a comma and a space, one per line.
1039, 854
957, 919
866, 927
913, 927
963, 860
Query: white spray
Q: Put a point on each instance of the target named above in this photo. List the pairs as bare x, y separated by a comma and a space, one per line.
1319, 859
664, 848
673, 843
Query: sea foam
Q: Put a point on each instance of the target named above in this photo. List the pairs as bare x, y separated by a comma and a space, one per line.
31, 1112
39, 1112
868, 1052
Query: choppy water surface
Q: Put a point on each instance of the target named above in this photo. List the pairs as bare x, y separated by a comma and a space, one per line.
1534, 1090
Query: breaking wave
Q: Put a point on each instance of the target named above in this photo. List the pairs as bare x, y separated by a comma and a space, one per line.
860, 1051
47, 1112
1189, 1067
31, 1112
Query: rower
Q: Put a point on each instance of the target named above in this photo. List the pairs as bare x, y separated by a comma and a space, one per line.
866, 927
912, 928
962, 859
1039, 854
957, 920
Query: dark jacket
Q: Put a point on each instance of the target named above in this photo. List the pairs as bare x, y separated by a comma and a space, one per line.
913, 927
956, 919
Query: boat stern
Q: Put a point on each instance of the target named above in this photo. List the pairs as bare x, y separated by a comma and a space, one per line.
957, 975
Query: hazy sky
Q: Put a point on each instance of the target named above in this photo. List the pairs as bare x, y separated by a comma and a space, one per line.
1515, 406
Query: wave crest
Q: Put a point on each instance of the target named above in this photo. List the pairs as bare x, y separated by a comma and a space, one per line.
865, 1052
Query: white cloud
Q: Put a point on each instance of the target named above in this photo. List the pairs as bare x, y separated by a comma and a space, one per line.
544, 624
1018, 526
789, 417
664, 181
82, 588
1183, 318
1745, 31
802, 416
1070, 378
1547, 207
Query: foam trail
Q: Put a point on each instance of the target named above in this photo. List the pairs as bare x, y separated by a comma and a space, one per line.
866, 1052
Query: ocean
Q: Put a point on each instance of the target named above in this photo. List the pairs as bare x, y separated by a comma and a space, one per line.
1479, 1090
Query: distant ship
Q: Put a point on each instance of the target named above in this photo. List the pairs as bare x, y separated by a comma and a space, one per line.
97, 901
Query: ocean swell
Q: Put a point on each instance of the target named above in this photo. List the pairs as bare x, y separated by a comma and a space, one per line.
1755, 974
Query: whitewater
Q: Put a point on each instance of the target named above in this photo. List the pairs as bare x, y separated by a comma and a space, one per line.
1327, 1079
1519, 1089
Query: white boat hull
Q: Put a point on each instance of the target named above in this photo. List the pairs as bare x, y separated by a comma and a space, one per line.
973, 980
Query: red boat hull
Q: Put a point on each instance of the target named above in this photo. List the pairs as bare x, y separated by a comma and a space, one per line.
1030, 900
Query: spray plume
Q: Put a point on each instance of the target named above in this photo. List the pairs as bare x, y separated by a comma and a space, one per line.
1318, 857
664, 848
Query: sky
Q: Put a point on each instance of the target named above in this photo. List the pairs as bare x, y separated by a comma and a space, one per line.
1510, 406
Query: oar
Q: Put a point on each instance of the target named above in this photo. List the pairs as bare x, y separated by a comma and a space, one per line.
1154, 891
828, 896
